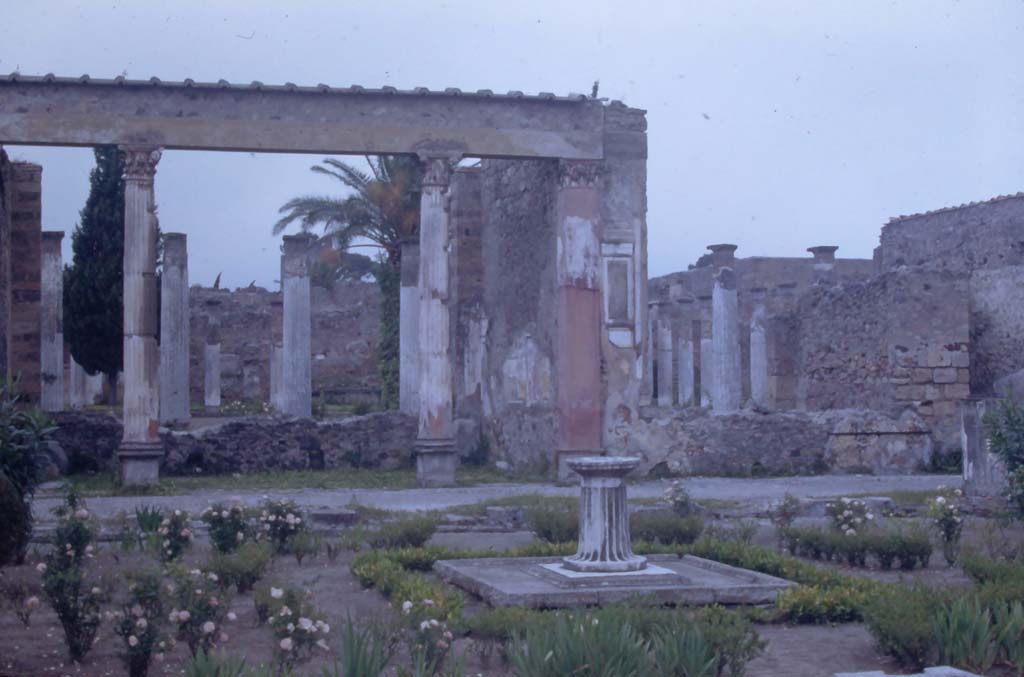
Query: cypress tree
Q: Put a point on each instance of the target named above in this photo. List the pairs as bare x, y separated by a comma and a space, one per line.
93, 283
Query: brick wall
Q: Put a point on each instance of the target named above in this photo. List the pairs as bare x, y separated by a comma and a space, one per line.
25, 215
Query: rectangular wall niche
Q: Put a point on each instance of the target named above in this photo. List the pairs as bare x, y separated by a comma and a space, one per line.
618, 292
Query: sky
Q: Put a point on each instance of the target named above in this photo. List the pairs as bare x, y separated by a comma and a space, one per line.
772, 125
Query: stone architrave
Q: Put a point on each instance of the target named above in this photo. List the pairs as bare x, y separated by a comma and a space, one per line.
707, 374
140, 451
665, 380
296, 353
51, 344
685, 372
435, 443
174, 331
760, 381
604, 545
211, 379
727, 393
409, 330
578, 302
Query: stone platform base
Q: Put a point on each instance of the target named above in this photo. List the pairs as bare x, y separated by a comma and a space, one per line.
542, 582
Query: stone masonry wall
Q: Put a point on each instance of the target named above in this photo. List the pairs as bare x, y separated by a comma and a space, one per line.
23, 342
5, 256
344, 339
997, 326
897, 342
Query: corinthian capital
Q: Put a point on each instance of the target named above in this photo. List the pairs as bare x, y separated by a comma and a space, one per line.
140, 162
579, 173
437, 171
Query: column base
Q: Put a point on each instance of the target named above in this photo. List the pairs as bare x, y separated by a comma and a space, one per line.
211, 411
140, 463
565, 474
436, 462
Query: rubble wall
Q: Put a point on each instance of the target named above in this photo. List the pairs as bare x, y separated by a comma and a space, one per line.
25, 251
997, 325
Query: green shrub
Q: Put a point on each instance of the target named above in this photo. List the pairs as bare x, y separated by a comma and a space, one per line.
982, 569
376, 569
915, 549
203, 664
279, 521
554, 526
911, 548
242, 568
16, 529
581, 647
817, 604
664, 527
964, 635
410, 532
682, 651
139, 620
304, 544
175, 535
900, 620
228, 526
1009, 629
199, 609
365, 652
1004, 426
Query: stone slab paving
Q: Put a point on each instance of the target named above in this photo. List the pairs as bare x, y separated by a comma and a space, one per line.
754, 493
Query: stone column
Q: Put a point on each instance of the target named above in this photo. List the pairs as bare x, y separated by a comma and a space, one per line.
723, 255
707, 373
685, 372
760, 381
435, 444
211, 380
984, 473
276, 365
78, 396
174, 331
665, 380
51, 344
296, 374
409, 330
604, 545
578, 300
140, 451
824, 263
725, 344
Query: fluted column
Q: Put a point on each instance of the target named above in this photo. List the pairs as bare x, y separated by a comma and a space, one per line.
435, 447
174, 331
211, 377
140, 449
578, 300
409, 330
760, 380
51, 344
604, 545
296, 355
665, 379
685, 372
727, 393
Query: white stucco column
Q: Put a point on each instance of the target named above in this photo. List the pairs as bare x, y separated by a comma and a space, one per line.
409, 330
725, 344
51, 311
140, 451
211, 377
760, 383
435, 446
685, 372
707, 373
174, 331
665, 380
78, 387
296, 353
276, 366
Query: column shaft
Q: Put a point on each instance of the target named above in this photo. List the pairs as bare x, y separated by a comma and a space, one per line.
578, 298
211, 380
435, 447
140, 449
685, 372
725, 339
665, 380
174, 331
51, 344
296, 374
78, 388
707, 373
409, 330
760, 380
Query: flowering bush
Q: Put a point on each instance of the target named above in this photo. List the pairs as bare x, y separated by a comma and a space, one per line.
945, 513
429, 639
679, 499
785, 512
21, 600
279, 521
298, 628
269, 598
76, 601
199, 611
138, 622
849, 516
229, 526
175, 535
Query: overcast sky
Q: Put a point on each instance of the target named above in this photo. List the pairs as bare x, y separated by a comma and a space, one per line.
773, 125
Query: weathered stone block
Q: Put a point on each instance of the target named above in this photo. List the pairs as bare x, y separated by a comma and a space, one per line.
944, 375
932, 392
909, 392
961, 359
956, 391
922, 375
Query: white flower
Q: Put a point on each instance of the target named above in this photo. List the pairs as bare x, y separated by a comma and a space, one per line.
32, 602
322, 644
286, 644
174, 616
184, 615
239, 536
433, 622
224, 514
428, 602
285, 611
276, 593
850, 532
223, 637
41, 568
305, 623
325, 628
81, 513
425, 625
141, 623
406, 607
212, 576
291, 627
232, 616
208, 627
95, 590
133, 640
870, 516
159, 657
177, 513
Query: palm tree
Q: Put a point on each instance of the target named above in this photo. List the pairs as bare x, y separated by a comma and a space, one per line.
382, 207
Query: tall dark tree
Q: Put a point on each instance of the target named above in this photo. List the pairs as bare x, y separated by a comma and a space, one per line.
93, 283
383, 208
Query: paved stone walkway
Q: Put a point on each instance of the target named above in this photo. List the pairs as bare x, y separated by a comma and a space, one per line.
753, 493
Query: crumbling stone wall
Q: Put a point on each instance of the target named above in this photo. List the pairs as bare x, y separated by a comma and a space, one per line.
344, 339
897, 342
5, 257
997, 325
24, 190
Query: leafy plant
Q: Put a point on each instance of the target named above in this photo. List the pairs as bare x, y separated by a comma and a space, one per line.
817, 604
279, 521
228, 526
365, 652
664, 527
682, 651
679, 499
242, 568
148, 518
297, 630
965, 636
945, 514
304, 544
139, 620
1009, 630
19, 596
410, 532
579, 645
76, 601
200, 609
849, 516
209, 664
1004, 426
900, 620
